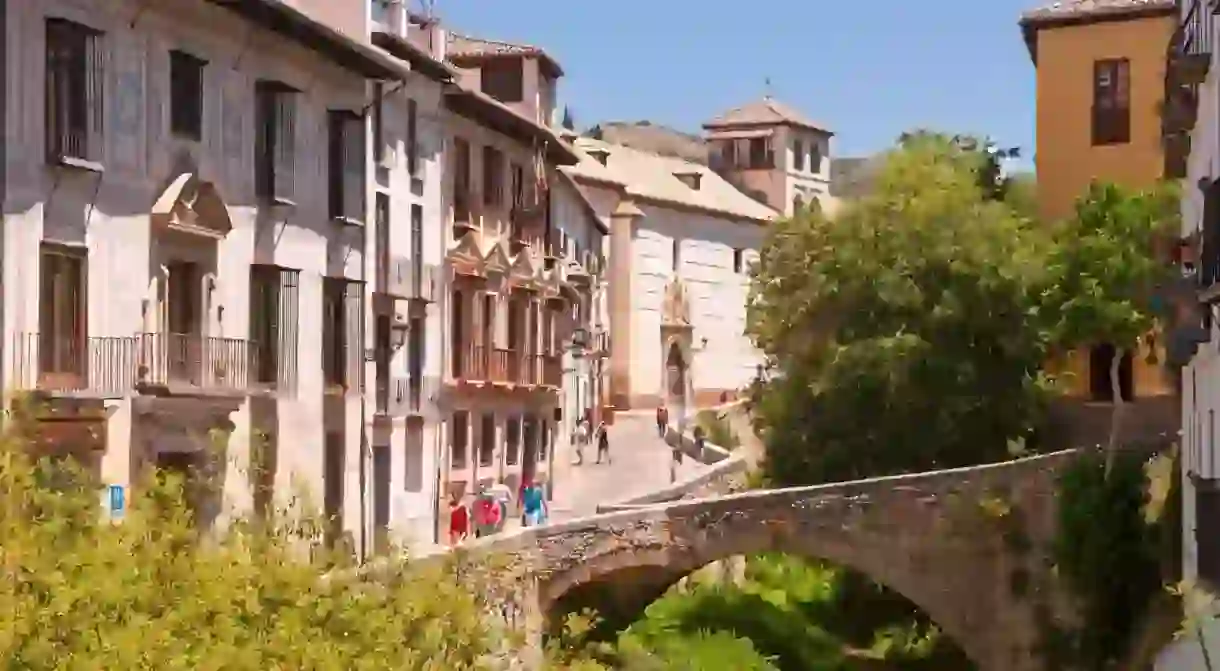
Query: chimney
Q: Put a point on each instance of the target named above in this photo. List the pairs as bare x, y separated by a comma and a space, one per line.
425, 31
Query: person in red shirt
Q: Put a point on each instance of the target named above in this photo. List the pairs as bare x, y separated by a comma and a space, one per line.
459, 521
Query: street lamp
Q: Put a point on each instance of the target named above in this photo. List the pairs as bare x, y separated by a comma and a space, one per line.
398, 333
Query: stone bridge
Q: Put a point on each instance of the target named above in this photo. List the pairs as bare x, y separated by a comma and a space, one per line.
967, 546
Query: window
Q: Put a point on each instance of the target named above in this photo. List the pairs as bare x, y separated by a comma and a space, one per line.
377, 120
815, 157
1111, 102
677, 254
412, 137
413, 461
346, 166
332, 481
74, 91
461, 179
186, 95
760, 153
416, 348
273, 324
512, 440
738, 260
728, 153
544, 442
61, 338
487, 440
493, 177
275, 144
459, 439
342, 359
417, 250
381, 239
798, 156
502, 79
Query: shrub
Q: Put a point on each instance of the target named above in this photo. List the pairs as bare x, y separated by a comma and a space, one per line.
719, 431
152, 592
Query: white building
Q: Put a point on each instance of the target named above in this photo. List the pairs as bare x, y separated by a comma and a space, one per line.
1191, 120
184, 254
681, 242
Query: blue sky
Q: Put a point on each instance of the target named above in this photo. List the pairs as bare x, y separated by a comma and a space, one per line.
869, 70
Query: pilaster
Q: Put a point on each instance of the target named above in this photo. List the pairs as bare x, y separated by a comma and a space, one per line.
622, 233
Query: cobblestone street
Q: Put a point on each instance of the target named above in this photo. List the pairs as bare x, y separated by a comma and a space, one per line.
640, 463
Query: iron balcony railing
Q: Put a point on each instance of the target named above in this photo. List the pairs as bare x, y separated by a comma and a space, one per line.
105, 366
119, 365
405, 278
198, 362
552, 370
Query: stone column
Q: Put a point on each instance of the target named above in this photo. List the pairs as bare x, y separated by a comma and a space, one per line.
622, 232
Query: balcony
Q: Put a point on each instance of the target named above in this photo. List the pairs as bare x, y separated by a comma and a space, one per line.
552, 370
504, 366
404, 396
1190, 53
410, 280
470, 363
184, 363
75, 366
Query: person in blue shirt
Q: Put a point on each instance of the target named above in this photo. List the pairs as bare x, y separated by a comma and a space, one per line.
533, 505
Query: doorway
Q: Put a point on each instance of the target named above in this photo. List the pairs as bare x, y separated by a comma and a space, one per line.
675, 376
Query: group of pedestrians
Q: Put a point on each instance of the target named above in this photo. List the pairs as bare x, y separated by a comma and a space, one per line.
583, 435
489, 511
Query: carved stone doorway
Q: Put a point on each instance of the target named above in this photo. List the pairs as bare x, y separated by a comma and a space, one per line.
675, 376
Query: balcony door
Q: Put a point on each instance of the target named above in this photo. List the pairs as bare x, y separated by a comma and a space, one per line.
61, 341
183, 321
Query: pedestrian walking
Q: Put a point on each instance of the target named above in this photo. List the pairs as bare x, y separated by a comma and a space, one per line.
699, 439
662, 420
533, 505
603, 443
580, 437
459, 521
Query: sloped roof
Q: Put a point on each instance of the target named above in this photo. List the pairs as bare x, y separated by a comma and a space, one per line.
764, 112
650, 177
1076, 12
459, 48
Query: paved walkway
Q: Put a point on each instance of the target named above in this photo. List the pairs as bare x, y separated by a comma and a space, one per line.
640, 463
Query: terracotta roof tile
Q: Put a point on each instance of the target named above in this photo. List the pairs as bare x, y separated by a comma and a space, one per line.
459, 47
764, 112
654, 178
1083, 9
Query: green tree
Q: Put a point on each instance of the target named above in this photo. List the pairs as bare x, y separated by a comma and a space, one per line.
904, 331
1105, 271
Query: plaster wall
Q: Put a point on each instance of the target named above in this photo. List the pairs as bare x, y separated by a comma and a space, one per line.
106, 213
723, 357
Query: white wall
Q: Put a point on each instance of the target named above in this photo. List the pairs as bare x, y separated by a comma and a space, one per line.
413, 513
1200, 379
107, 213
716, 295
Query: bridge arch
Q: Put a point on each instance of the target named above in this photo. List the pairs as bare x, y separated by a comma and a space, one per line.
925, 536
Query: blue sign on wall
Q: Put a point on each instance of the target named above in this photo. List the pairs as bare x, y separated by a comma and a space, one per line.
118, 501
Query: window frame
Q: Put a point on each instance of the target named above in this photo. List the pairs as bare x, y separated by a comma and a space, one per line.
275, 123
75, 93
345, 171
1111, 103
186, 117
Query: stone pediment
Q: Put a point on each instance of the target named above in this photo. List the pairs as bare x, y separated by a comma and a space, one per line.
675, 310
193, 206
525, 271
465, 254
497, 258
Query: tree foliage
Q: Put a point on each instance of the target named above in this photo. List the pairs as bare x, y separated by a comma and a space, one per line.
905, 329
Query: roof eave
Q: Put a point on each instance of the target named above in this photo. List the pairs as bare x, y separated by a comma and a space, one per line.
744, 125
420, 60
485, 110
1031, 23
550, 66
695, 207
290, 22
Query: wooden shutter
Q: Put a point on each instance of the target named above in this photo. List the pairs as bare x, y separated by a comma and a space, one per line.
286, 330
353, 336
283, 134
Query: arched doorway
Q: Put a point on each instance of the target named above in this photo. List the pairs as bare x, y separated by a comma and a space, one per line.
675, 376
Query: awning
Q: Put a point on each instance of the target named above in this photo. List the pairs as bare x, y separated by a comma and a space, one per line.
278, 17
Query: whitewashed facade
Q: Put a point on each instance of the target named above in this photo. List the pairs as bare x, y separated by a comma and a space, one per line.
1192, 119
185, 255
681, 243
